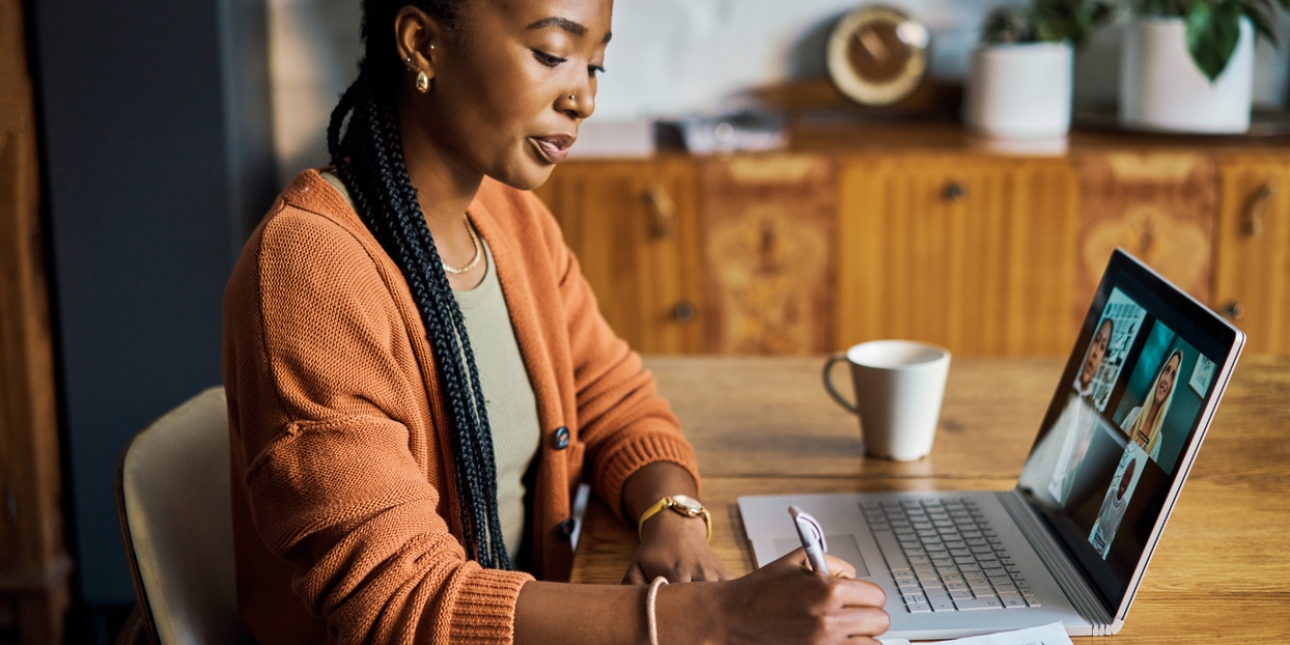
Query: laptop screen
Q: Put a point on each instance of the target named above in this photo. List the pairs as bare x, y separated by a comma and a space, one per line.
1127, 411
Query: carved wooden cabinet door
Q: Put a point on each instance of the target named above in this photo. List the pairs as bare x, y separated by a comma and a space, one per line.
633, 226
972, 252
1157, 206
1252, 251
768, 223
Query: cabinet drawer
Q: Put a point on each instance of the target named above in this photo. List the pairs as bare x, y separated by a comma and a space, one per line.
1251, 282
634, 228
975, 253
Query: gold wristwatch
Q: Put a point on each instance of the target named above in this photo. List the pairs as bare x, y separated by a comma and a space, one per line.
683, 504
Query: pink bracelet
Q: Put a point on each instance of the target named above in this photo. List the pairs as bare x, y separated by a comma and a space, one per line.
650, 617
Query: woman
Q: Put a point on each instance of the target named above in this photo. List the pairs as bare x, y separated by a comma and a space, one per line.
1143, 426
1079, 417
1097, 349
403, 458
1114, 504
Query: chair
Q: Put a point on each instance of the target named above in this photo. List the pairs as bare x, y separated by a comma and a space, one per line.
174, 506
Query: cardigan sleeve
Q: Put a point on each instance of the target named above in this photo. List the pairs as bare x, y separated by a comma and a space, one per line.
623, 421
325, 403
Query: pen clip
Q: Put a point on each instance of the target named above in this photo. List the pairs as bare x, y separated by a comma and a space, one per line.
808, 528
812, 537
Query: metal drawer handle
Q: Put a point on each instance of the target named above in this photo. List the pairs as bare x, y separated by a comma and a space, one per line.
1257, 208
953, 192
1233, 311
664, 210
683, 312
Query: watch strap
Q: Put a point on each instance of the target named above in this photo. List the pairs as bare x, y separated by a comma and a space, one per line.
707, 521
651, 512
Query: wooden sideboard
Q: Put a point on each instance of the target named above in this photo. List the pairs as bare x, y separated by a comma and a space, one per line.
917, 230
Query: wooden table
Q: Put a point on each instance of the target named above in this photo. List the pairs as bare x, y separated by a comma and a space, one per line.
1221, 573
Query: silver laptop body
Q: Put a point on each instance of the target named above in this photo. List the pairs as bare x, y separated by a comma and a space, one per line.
1072, 540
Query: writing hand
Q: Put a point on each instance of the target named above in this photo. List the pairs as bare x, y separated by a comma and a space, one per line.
786, 603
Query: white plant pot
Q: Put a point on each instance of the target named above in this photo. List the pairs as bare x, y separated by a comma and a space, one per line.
1162, 89
1020, 91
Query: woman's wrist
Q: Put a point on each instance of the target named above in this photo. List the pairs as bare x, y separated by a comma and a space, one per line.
654, 482
690, 614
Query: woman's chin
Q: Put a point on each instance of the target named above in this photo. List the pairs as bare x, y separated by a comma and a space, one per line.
525, 175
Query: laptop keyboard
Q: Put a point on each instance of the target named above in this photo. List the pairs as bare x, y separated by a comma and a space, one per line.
945, 557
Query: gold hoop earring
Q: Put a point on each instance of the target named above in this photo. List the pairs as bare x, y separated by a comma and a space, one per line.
423, 82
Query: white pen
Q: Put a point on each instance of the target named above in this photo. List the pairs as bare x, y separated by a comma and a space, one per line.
812, 539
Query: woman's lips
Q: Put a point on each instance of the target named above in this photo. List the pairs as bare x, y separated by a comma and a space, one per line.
553, 148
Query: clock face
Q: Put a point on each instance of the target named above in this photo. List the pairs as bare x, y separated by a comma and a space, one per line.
878, 55
876, 52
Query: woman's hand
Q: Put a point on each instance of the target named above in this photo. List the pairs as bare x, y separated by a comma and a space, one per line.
675, 547
786, 603
783, 603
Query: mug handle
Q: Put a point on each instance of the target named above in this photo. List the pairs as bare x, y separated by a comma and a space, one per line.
828, 384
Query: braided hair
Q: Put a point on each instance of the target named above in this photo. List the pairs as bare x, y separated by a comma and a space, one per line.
369, 159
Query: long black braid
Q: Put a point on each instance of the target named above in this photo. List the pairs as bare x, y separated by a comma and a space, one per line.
369, 160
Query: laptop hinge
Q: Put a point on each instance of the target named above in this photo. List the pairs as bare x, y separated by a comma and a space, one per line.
1077, 589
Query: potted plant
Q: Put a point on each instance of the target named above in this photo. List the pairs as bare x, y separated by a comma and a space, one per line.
1188, 65
1019, 85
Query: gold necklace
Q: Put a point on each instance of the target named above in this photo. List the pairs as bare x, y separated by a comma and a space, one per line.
479, 251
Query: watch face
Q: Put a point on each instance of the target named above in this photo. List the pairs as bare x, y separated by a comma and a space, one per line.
687, 503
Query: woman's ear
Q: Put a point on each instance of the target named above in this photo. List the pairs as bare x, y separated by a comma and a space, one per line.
418, 38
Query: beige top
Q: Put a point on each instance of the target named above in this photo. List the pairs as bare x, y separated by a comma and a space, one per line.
508, 394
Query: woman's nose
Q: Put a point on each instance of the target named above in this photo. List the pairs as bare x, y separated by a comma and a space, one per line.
580, 101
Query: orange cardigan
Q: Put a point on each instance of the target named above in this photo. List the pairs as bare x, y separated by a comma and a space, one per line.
345, 512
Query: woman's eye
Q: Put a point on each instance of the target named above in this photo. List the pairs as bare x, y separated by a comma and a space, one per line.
592, 70
547, 59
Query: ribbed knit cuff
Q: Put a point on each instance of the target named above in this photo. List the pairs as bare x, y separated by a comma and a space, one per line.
619, 465
484, 610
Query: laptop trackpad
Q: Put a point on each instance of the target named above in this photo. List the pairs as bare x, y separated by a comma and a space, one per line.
840, 546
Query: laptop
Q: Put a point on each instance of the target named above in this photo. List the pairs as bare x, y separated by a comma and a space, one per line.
1072, 540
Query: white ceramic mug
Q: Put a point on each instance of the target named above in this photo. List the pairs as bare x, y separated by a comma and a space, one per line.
899, 385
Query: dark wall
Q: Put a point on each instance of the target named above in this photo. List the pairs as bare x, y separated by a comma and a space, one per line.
157, 157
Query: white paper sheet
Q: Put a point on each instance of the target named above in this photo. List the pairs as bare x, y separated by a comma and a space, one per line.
1051, 634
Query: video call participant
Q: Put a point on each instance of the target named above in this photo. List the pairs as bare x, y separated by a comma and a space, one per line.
1079, 417
1143, 426
381, 429
1097, 350
1112, 512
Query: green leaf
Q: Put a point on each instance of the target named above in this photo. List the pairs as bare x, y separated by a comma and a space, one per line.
1006, 25
1262, 25
1212, 34
1269, 7
1102, 11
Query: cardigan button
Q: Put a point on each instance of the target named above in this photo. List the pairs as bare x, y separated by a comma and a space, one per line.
561, 438
565, 530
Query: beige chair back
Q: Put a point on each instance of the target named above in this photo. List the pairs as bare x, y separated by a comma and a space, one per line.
175, 509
